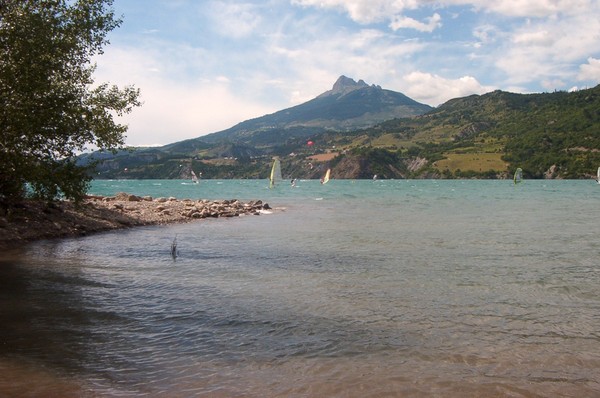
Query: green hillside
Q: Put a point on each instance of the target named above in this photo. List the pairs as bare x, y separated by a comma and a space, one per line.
552, 135
548, 135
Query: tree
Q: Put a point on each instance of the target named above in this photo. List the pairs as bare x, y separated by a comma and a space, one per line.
50, 108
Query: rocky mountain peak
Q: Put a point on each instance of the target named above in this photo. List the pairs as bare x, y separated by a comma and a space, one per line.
344, 85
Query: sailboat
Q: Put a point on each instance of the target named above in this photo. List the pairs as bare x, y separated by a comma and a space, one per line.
598, 176
325, 178
518, 177
275, 177
194, 177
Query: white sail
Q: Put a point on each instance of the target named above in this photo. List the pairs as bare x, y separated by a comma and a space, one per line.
325, 178
598, 175
194, 177
275, 177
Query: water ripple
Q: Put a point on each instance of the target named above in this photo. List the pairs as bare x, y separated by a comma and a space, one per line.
397, 288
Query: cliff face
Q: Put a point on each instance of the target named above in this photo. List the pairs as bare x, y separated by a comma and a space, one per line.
366, 166
353, 167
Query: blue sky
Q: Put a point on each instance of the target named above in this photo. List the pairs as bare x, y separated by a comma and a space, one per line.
204, 66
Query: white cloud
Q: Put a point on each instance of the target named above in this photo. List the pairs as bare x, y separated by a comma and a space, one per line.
434, 90
173, 109
226, 61
590, 71
173, 112
312, 67
486, 34
369, 11
432, 23
523, 42
535, 38
545, 51
234, 19
526, 8
364, 11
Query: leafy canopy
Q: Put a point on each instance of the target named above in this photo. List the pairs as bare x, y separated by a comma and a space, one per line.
50, 108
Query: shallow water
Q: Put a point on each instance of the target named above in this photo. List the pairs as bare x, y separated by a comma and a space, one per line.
357, 289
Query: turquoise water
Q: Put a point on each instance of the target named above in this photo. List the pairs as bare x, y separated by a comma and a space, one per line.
353, 288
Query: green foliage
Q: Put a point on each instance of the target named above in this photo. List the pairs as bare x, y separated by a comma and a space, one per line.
49, 109
553, 135
537, 131
558, 129
72, 180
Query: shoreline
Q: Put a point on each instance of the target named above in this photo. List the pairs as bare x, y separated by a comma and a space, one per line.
37, 220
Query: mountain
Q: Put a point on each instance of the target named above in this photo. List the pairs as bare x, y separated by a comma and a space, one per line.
349, 105
548, 135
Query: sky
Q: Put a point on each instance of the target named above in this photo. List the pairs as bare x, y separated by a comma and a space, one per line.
203, 66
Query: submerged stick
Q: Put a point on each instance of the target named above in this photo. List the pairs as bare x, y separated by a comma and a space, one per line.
174, 247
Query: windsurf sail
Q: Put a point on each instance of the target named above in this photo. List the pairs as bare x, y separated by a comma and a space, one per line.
325, 178
275, 177
518, 176
194, 177
598, 175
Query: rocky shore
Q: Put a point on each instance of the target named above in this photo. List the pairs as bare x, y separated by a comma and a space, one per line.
35, 220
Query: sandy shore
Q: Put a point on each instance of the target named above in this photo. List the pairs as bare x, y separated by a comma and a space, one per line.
37, 220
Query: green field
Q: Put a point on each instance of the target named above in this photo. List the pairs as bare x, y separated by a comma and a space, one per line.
479, 162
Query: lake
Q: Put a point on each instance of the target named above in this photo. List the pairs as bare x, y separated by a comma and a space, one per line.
445, 288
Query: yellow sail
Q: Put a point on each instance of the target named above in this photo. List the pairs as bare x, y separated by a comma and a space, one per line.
518, 177
275, 176
326, 177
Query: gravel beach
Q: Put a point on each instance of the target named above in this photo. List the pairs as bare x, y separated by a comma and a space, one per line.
34, 220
